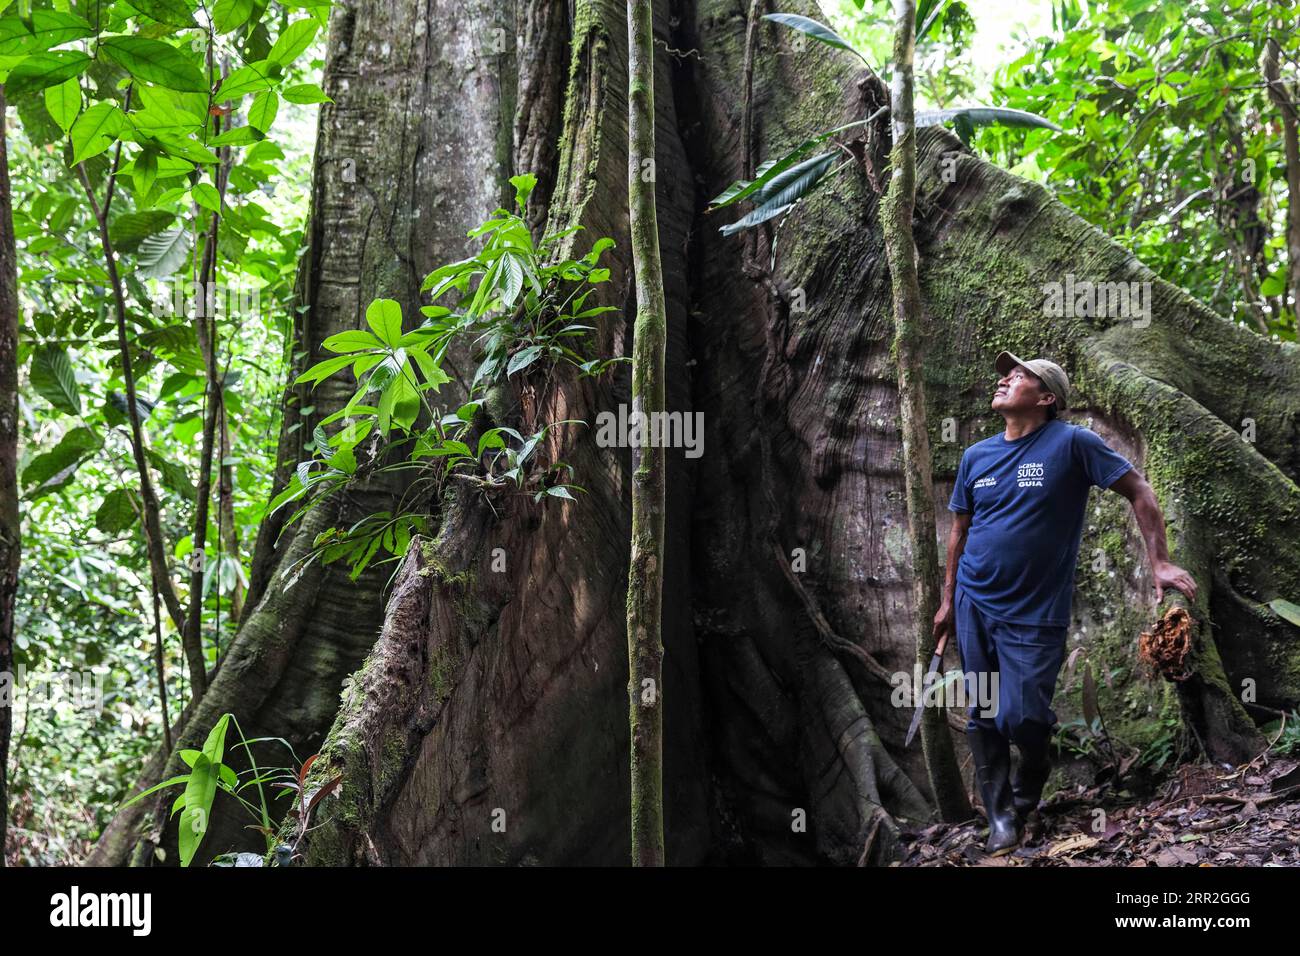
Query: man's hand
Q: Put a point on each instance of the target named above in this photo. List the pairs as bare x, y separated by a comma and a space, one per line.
943, 622
1169, 575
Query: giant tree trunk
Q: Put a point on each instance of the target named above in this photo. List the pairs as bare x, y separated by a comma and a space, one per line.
414, 149
488, 723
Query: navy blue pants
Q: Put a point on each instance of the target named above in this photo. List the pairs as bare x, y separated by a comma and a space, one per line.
1026, 660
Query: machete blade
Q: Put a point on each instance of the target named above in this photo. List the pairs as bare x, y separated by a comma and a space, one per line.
935, 661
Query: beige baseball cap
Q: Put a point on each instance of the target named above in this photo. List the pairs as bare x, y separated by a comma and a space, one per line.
1053, 375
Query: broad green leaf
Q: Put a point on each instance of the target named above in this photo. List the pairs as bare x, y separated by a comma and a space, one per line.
433, 374
129, 229
64, 103
174, 12
444, 276
597, 249
163, 253
214, 748
966, 118
200, 791
183, 148
164, 118
351, 341
53, 27
452, 447
384, 316
206, 195
296, 37
171, 782
116, 512
239, 136
53, 379
155, 62
96, 130
43, 70
512, 272
927, 13
774, 167
345, 460
818, 31
780, 193
399, 403
52, 470
490, 439
145, 171
15, 38
291, 492
386, 371
803, 175
253, 78
264, 152
174, 476
230, 15
524, 186
1286, 610
262, 113
522, 359
1275, 284
228, 777
323, 370
305, 93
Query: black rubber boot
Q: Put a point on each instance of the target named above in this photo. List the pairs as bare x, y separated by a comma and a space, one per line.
1033, 770
992, 754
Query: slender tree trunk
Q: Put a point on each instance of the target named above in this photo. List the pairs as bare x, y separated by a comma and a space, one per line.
909, 342
649, 341
229, 530
10, 528
155, 546
205, 328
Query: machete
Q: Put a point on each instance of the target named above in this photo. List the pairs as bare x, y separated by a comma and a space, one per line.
920, 707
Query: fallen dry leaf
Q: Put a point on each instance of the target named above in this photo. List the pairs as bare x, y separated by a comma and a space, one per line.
1075, 844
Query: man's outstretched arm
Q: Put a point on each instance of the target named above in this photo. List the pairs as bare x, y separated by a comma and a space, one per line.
1146, 508
943, 621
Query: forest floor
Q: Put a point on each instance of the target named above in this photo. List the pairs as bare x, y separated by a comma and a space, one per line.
1202, 815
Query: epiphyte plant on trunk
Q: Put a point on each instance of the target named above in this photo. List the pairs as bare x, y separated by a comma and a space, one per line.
209, 774
525, 311
780, 183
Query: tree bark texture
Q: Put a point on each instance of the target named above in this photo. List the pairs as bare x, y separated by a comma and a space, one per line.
10, 529
649, 340
414, 150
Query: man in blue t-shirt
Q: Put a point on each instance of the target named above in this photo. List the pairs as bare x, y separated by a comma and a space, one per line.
1018, 505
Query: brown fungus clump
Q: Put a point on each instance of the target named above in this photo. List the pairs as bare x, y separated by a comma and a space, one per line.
1166, 647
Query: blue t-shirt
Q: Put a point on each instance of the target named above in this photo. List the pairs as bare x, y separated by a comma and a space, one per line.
1027, 500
